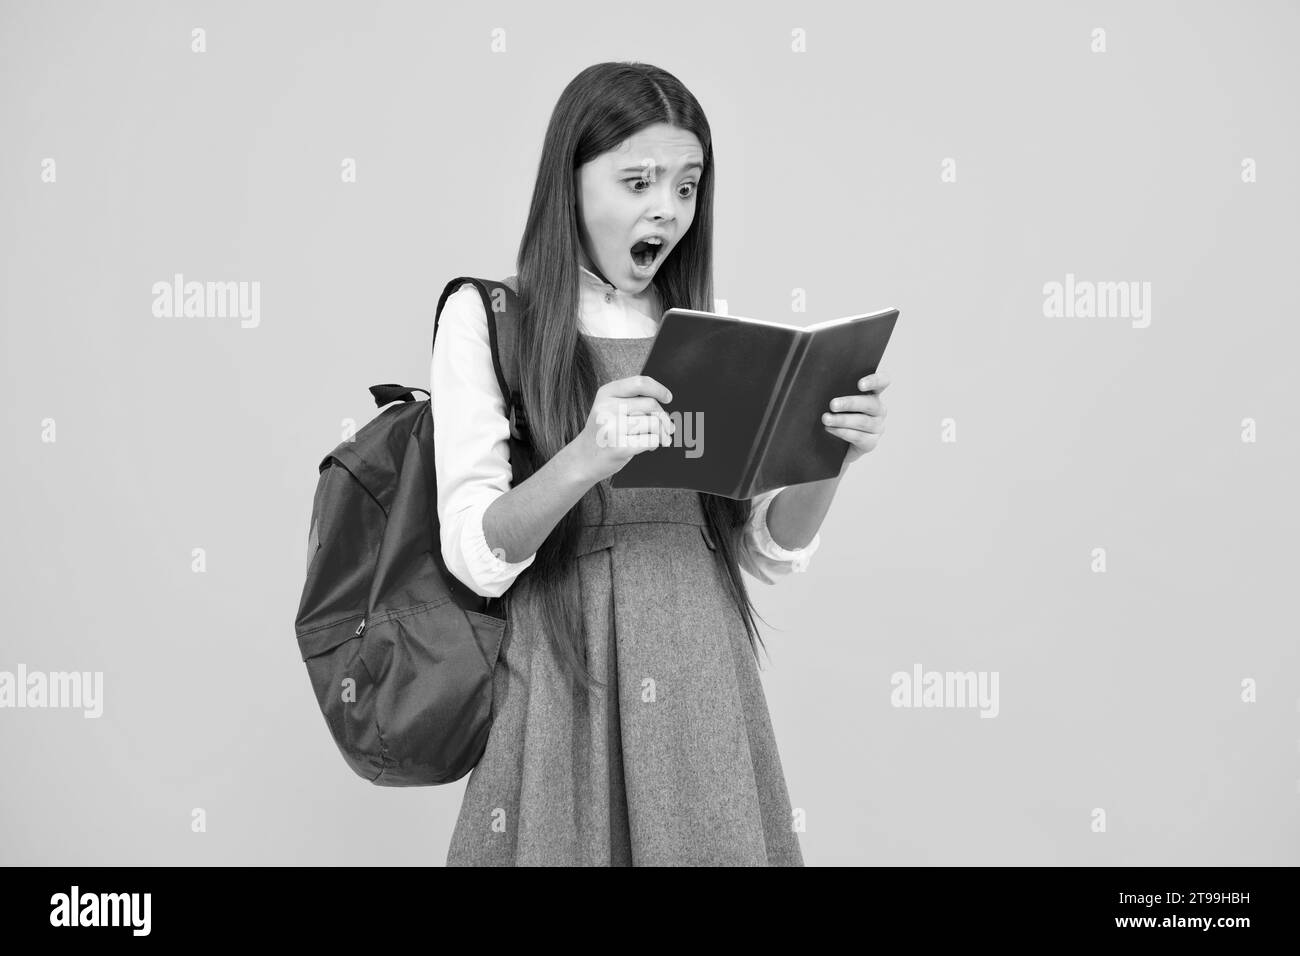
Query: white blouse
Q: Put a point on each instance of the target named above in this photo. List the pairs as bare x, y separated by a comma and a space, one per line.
472, 451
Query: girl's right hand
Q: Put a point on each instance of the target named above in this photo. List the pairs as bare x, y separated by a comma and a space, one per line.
626, 419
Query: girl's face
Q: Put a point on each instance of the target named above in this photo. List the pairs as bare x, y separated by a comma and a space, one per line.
646, 187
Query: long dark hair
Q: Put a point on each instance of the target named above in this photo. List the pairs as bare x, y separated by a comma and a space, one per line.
600, 108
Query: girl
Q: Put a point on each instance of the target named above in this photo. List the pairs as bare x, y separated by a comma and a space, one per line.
629, 721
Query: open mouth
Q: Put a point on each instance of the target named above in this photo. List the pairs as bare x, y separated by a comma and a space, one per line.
646, 252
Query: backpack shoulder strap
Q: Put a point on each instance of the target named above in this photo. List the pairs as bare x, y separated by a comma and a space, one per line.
502, 337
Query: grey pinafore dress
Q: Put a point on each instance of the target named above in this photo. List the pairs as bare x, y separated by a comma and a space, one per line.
674, 761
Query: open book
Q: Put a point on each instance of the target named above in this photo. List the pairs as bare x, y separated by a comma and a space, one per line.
748, 396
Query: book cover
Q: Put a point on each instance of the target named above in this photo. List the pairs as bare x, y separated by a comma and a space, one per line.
748, 396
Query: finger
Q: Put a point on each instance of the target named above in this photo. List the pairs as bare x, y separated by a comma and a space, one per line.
661, 423
645, 408
637, 385
613, 431
639, 406
855, 438
643, 424
865, 404
643, 442
873, 383
861, 423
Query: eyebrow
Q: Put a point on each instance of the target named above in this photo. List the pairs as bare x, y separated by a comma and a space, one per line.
657, 168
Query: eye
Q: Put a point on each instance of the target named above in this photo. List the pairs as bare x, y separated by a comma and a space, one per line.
645, 182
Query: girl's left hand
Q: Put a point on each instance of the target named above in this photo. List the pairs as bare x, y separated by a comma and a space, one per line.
859, 419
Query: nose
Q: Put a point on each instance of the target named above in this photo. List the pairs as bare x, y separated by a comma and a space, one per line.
661, 208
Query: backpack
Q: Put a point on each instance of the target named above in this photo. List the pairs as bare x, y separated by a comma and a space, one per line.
399, 651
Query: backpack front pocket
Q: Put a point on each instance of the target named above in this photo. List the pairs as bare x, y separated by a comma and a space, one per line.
430, 694
408, 694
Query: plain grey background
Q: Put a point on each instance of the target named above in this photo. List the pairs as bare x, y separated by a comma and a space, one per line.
1119, 690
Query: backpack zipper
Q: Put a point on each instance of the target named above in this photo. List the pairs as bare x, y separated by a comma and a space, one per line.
360, 627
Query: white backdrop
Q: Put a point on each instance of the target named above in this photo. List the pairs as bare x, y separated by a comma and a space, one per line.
1099, 509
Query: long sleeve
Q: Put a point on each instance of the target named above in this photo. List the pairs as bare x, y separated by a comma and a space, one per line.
761, 556
471, 445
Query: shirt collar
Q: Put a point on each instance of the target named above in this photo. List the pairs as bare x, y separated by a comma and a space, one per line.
595, 289
591, 279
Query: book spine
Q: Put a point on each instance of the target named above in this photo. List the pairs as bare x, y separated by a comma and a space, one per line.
785, 381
